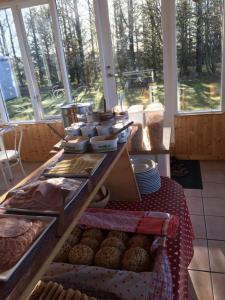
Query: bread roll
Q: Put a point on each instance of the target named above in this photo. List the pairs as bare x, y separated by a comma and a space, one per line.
108, 257
113, 242
81, 255
140, 240
93, 233
123, 236
91, 242
136, 259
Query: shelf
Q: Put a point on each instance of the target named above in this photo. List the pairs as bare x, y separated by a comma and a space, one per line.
116, 172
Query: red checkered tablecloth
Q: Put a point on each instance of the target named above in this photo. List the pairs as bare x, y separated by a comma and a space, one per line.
170, 198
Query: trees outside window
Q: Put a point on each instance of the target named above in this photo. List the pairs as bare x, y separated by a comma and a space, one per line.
13, 84
199, 49
137, 41
138, 50
78, 31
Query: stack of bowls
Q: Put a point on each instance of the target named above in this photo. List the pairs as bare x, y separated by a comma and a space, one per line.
147, 175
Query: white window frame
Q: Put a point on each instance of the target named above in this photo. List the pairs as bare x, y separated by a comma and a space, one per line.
106, 57
106, 53
33, 88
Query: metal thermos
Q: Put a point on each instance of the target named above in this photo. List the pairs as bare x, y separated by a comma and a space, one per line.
69, 115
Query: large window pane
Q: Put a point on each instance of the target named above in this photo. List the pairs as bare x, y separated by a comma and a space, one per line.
138, 51
77, 24
13, 84
199, 37
38, 27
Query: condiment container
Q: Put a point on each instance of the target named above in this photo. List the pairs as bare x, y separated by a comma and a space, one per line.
76, 145
136, 113
72, 131
100, 144
154, 114
88, 130
104, 130
122, 136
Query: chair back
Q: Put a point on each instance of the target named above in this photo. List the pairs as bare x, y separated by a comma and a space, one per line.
18, 136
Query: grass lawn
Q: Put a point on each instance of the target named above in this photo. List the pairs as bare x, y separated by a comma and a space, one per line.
194, 95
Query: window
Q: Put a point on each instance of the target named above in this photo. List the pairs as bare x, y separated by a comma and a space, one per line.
199, 46
38, 27
138, 50
13, 84
78, 30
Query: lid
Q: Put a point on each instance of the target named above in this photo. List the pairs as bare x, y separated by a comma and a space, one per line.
156, 106
136, 108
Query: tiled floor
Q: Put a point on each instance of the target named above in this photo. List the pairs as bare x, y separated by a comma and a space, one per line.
207, 209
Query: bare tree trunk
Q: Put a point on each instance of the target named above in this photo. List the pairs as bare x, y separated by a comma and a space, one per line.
92, 39
80, 42
4, 46
14, 51
36, 48
199, 25
131, 33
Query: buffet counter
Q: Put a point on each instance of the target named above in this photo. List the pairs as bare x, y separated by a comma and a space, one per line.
116, 173
36, 263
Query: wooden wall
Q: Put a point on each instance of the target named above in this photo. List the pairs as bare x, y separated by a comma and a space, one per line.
196, 137
200, 136
38, 140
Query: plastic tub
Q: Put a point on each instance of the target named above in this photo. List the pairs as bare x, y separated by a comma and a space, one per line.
99, 144
76, 145
136, 113
154, 115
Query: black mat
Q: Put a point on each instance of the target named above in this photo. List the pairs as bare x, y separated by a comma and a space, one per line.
186, 172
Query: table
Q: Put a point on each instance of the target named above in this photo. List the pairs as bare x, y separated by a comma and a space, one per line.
170, 198
162, 156
109, 173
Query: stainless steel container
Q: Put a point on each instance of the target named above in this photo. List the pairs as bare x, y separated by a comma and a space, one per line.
69, 115
71, 112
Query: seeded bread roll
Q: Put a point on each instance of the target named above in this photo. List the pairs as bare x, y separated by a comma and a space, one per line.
62, 255
93, 233
123, 236
76, 231
91, 242
136, 259
73, 240
140, 240
113, 242
108, 257
81, 255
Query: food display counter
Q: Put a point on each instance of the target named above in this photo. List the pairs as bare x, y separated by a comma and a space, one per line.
114, 171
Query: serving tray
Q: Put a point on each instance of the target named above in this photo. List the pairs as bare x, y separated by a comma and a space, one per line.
6, 275
75, 165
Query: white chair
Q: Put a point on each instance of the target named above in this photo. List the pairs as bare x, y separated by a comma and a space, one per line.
9, 158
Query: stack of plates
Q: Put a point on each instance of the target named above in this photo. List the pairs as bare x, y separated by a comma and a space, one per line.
147, 175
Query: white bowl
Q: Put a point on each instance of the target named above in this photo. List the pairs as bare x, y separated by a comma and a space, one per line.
104, 129
78, 144
88, 131
73, 131
122, 136
99, 144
